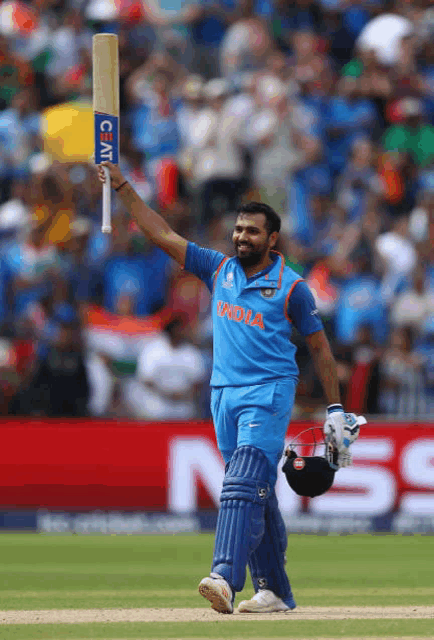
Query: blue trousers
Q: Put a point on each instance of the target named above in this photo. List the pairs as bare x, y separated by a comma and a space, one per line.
251, 424
257, 415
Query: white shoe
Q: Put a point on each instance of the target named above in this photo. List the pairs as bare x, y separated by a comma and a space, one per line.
218, 592
265, 601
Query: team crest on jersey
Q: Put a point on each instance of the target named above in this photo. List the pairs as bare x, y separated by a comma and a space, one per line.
228, 283
268, 293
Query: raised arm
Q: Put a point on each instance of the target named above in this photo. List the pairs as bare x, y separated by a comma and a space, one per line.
150, 222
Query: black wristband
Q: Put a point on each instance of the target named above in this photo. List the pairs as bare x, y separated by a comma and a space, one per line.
121, 185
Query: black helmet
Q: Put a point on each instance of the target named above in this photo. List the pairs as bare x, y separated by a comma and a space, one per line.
310, 475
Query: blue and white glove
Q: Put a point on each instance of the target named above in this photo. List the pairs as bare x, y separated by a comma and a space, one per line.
341, 430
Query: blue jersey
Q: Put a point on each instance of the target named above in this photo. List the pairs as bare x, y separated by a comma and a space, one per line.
253, 317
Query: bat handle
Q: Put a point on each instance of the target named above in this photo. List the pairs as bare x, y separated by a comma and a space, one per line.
106, 226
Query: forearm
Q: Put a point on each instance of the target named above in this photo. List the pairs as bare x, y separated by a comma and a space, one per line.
149, 221
152, 224
325, 366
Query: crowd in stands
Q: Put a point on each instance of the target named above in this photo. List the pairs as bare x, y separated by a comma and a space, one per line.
323, 109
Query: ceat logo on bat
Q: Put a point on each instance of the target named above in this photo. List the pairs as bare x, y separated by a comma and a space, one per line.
298, 464
106, 138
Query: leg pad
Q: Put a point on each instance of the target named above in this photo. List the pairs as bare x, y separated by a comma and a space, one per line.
267, 561
241, 522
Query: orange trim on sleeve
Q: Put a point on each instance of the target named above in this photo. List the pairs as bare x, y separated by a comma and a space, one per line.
288, 295
218, 271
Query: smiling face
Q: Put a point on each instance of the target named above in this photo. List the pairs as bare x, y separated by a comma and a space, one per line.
251, 239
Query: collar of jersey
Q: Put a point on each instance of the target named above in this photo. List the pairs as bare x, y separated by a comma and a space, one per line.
270, 277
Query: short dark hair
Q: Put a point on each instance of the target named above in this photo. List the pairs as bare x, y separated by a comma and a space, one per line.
272, 222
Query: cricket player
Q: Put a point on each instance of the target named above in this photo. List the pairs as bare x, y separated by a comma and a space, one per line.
256, 300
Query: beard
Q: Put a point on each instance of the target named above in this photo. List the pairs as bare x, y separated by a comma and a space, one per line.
250, 257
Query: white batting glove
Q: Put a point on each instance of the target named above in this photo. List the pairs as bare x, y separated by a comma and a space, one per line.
342, 429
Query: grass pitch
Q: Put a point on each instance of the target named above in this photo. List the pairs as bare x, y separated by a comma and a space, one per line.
82, 572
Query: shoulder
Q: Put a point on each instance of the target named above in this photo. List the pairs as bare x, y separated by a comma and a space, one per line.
227, 261
291, 278
224, 263
207, 257
298, 291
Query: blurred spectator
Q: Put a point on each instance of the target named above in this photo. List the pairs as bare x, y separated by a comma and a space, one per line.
383, 34
398, 255
136, 270
32, 269
360, 304
153, 111
19, 137
363, 383
375, 83
83, 275
271, 139
173, 23
312, 179
357, 180
68, 43
308, 62
414, 306
351, 116
15, 73
208, 32
414, 136
76, 82
189, 108
426, 69
302, 15
9, 376
217, 170
15, 213
245, 45
419, 219
169, 372
59, 385
398, 179
424, 349
403, 389
114, 341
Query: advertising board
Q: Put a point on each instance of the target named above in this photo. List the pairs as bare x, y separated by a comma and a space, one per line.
175, 469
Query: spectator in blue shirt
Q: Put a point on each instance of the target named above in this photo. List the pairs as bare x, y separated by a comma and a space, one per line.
153, 119
350, 116
19, 135
208, 32
142, 275
357, 180
311, 179
360, 304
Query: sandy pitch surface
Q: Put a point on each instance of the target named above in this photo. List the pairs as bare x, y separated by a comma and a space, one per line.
71, 616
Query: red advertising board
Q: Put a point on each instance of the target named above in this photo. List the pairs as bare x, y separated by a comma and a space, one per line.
87, 465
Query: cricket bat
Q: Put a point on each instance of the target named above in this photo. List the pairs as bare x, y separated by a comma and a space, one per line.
105, 62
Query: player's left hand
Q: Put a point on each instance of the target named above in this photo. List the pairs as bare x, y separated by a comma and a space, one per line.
342, 429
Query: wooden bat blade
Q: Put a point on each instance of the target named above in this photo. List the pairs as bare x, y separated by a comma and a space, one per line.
105, 59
